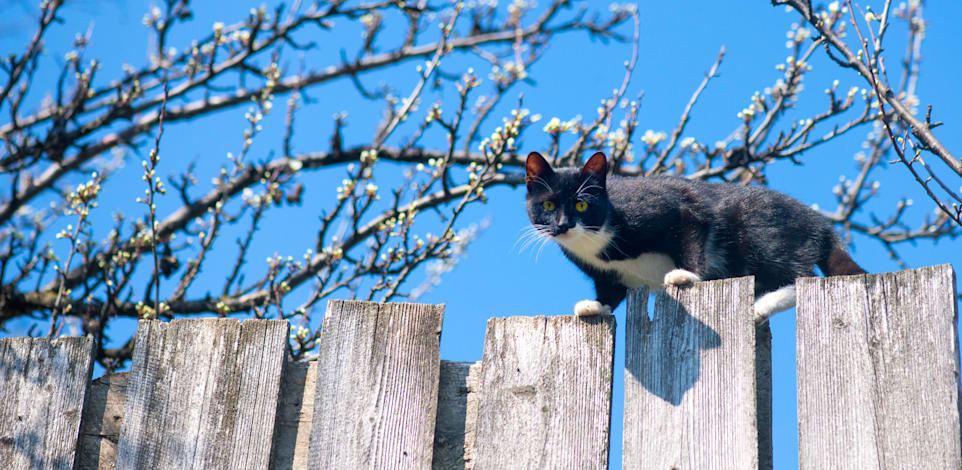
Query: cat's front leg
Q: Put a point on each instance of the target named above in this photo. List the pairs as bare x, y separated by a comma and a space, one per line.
681, 277
609, 294
694, 245
590, 308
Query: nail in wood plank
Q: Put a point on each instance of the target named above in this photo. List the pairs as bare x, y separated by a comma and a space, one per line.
545, 393
43, 385
690, 378
878, 371
377, 385
202, 393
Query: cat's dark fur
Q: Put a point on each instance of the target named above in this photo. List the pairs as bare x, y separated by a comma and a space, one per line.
665, 229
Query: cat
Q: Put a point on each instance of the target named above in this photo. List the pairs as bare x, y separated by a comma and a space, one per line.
627, 232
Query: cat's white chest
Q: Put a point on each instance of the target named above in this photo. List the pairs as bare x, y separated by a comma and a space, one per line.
648, 269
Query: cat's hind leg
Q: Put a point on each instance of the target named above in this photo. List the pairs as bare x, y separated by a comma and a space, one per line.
773, 302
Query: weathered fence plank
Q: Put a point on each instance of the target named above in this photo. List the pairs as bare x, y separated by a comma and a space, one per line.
43, 384
545, 393
878, 371
691, 400
473, 383
376, 397
202, 393
292, 431
453, 422
763, 394
102, 420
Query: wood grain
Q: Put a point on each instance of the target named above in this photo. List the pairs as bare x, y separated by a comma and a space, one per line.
763, 395
878, 371
202, 393
102, 421
452, 422
43, 385
691, 400
377, 385
545, 393
292, 433
473, 383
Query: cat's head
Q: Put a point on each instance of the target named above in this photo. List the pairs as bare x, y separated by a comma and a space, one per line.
566, 202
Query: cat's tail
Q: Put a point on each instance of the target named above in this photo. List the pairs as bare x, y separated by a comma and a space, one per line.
837, 262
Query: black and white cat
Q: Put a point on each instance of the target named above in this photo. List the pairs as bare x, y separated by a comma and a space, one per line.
633, 232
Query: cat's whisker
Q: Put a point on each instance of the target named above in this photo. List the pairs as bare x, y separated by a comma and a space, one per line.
593, 235
581, 186
529, 239
596, 233
537, 254
620, 251
544, 242
524, 243
530, 235
615, 246
528, 242
525, 234
583, 189
542, 182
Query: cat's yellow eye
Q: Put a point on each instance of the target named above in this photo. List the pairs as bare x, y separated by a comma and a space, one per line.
548, 205
581, 206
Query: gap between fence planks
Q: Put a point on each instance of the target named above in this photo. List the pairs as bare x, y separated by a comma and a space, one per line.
878, 371
544, 398
43, 384
202, 394
376, 398
692, 398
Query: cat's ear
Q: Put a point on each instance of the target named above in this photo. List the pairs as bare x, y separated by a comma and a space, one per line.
596, 166
537, 171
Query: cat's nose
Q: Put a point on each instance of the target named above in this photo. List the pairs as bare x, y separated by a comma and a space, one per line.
563, 226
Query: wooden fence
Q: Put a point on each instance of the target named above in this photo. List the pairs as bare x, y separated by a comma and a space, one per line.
878, 387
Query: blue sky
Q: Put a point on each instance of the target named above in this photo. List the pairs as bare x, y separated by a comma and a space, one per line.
679, 41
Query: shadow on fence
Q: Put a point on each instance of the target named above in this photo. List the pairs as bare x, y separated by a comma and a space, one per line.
878, 387
665, 364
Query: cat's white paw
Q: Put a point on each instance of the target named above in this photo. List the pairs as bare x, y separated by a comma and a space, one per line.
774, 302
680, 277
587, 308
